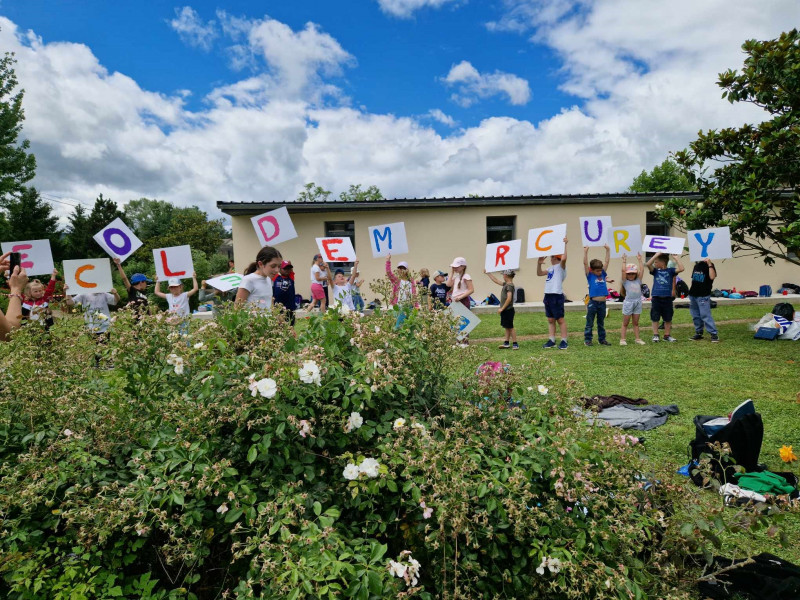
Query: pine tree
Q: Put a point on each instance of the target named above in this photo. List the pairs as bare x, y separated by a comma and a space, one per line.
29, 217
17, 165
79, 242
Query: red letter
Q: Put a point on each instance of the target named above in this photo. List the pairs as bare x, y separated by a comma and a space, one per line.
274, 222
543, 248
79, 271
22, 256
331, 252
167, 272
501, 255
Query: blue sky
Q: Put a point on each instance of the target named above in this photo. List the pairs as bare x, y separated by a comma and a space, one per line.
244, 101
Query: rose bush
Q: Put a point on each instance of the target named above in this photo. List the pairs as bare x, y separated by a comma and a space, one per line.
356, 459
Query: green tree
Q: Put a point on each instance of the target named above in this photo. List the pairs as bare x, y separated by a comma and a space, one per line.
29, 217
356, 194
311, 192
749, 176
148, 218
103, 212
191, 226
17, 165
79, 237
666, 177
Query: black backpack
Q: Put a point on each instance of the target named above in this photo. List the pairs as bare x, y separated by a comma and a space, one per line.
492, 300
785, 310
520, 296
744, 436
681, 288
645, 290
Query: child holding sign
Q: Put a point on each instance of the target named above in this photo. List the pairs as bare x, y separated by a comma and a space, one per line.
598, 292
404, 288
36, 304
703, 276
344, 288
256, 285
506, 310
136, 287
554, 296
631, 292
177, 299
661, 295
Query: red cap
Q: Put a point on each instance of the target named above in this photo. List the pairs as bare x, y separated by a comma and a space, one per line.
286, 265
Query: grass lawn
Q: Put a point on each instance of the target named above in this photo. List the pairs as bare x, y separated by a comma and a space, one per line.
700, 377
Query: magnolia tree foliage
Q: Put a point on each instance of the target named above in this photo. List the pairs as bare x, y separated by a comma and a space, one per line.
363, 457
750, 176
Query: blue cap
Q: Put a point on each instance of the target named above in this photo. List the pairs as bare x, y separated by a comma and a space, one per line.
339, 272
139, 278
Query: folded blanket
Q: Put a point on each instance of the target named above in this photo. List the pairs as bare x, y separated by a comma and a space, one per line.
612, 400
643, 418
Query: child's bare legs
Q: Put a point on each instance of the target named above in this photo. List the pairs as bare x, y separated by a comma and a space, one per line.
512, 335
323, 305
551, 328
624, 332
635, 327
563, 326
667, 328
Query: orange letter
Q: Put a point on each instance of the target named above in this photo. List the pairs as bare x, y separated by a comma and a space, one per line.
543, 248
331, 252
79, 271
501, 255
167, 272
620, 235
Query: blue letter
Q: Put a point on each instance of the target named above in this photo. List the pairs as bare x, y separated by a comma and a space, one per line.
387, 233
704, 251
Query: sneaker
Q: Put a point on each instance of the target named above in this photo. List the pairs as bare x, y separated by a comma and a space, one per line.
696, 337
714, 338
515, 346
669, 338
588, 343
549, 344
604, 343
505, 346
562, 345
623, 343
656, 339
640, 342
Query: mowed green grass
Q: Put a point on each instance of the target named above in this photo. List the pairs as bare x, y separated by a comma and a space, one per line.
700, 377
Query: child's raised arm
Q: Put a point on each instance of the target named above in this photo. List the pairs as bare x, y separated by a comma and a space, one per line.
157, 291
194, 289
125, 281
539, 263
680, 264
586, 259
493, 278
608, 257
649, 263
353, 273
564, 254
389, 273
625, 268
641, 267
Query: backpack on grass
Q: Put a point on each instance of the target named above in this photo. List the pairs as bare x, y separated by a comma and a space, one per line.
785, 310
744, 435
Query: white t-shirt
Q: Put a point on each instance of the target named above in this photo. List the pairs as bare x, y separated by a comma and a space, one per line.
178, 304
323, 274
96, 313
555, 279
344, 294
460, 285
260, 289
404, 291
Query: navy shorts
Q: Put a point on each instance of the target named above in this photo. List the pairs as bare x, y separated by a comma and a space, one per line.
507, 318
554, 306
661, 308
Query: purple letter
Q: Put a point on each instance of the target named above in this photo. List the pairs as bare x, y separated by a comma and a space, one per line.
126, 242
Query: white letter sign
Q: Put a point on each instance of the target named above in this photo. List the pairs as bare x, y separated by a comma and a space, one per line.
336, 249
274, 227
595, 230
625, 240
118, 240
710, 243
466, 320
388, 239
225, 283
36, 257
175, 261
503, 255
87, 276
663, 244
546, 241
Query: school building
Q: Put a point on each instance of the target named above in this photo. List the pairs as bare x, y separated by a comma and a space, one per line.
439, 229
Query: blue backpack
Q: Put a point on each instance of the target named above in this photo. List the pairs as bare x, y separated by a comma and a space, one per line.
765, 291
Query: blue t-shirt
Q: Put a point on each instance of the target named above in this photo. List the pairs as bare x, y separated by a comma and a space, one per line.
662, 281
597, 284
283, 292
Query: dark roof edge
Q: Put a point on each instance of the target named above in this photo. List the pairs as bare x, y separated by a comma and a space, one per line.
253, 208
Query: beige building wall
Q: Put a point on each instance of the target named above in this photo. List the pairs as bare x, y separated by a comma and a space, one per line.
437, 235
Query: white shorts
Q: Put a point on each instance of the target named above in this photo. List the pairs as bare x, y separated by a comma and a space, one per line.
632, 307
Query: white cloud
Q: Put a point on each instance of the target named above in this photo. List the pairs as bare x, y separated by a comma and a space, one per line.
471, 85
192, 30
439, 116
406, 8
646, 76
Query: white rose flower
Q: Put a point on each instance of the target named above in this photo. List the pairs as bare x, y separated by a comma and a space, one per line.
399, 423
542, 390
369, 467
397, 569
199, 346
350, 472
309, 373
267, 387
419, 426
354, 422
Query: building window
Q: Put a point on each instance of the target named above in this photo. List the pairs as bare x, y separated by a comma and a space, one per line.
500, 229
655, 226
342, 229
